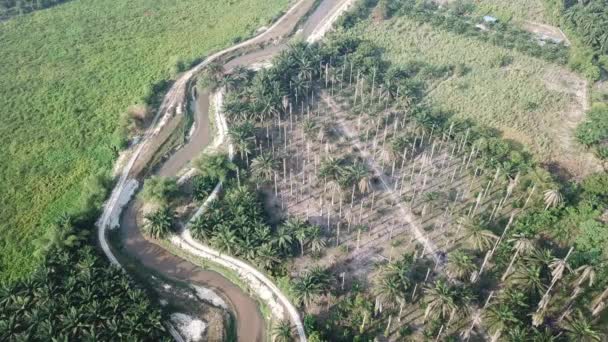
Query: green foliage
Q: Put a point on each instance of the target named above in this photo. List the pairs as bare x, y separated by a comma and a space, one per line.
215, 166
159, 223
159, 190
203, 186
594, 130
68, 73
75, 295
590, 20
235, 224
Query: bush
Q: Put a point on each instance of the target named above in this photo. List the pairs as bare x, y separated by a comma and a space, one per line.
159, 190
203, 186
594, 131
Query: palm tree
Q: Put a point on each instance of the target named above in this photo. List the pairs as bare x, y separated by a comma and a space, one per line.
214, 166
553, 198
478, 236
309, 127
528, 278
282, 332
283, 239
500, 318
317, 243
389, 289
360, 176
266, 256
330, 168
460, 265
159, 223
440, 300
263, 167
300, 229
311, 285
521, 245
241, 137
225, 239
580, 329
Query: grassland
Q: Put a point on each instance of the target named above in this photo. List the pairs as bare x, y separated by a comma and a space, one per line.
67, 74
517, 10
497, 87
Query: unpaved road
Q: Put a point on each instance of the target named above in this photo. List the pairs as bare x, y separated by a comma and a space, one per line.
250, 324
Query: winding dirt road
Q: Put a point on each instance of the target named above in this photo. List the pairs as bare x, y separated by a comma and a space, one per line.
250, 324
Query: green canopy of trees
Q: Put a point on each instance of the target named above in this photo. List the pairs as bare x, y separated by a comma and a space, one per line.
75, 295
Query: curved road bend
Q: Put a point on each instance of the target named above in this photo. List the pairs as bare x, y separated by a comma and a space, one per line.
250, 324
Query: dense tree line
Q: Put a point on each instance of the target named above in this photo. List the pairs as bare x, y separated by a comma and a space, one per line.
9, 8
586, 23
75, 295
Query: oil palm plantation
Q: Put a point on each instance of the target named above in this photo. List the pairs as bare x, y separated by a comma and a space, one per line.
312, 284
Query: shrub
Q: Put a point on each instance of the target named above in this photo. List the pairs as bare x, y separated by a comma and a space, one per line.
159, 190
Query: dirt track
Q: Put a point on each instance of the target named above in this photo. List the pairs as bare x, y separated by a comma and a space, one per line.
250, 324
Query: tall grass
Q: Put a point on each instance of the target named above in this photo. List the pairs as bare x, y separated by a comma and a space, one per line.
497, 87
67, 73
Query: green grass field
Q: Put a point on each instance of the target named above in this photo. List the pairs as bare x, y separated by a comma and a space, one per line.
67, 74
501, 88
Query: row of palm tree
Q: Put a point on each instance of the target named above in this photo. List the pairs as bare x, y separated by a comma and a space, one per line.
75, 295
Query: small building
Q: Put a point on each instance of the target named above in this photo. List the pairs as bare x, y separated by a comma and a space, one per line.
490, 19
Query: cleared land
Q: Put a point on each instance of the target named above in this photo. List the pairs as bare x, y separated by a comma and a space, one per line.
67, 74
531, 101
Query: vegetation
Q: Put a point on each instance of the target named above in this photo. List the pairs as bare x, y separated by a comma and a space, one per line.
586, 24
159, 190
594, 131
75, 295
523, 246
9, 8
484, 90
64, 86
515, 10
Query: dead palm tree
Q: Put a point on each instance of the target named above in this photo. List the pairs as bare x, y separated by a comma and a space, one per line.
521, 245
553, 198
